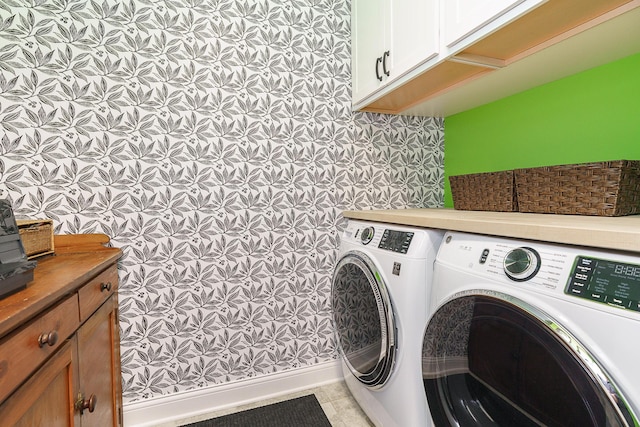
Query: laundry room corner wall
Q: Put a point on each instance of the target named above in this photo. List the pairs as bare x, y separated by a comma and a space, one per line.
590, 116
214, 142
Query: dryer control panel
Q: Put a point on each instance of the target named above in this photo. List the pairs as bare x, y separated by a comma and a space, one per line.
390, 240
396, 241
399, 240
610, 282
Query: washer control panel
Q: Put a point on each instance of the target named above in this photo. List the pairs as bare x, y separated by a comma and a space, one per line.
586, 275
610, 282
521, 264
514, 261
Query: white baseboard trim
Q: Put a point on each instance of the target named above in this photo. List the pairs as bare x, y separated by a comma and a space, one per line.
162, 409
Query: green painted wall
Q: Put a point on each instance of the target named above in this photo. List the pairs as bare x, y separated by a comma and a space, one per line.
590, 116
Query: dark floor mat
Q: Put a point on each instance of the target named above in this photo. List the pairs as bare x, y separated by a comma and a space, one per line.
303, 411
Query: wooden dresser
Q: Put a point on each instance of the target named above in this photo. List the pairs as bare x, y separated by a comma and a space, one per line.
59, 340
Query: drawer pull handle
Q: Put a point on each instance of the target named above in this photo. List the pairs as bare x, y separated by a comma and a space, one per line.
378, 62
82, 404
384, 63
105, 287
51, 339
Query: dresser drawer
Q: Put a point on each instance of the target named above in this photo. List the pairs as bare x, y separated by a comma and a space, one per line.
25, 349
97, 291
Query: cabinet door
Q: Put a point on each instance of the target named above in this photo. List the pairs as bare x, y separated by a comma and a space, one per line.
414, 35
98, 369
47, 398
462, 18
369, 41
390, 38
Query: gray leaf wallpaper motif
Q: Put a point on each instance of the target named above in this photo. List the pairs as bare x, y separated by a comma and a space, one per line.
214, 142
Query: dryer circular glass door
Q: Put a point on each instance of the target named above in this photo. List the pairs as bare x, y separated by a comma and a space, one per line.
363, 319
494, 360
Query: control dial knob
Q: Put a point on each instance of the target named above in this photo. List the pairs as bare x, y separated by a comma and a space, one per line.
367, 235
521, 264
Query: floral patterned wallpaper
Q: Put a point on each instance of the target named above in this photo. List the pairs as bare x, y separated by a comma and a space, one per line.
214, 142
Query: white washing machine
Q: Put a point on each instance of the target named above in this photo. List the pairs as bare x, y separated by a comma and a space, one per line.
379, 302
527, 334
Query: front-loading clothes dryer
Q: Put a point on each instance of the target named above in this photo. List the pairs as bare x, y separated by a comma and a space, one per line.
526, 333
379, 303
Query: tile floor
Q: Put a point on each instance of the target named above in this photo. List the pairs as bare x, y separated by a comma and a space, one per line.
336, 400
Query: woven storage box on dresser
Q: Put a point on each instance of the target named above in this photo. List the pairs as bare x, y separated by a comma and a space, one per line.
489, 191
36, 236
610, 188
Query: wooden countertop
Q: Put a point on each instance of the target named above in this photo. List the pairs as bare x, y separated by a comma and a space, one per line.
619, 233
77, 259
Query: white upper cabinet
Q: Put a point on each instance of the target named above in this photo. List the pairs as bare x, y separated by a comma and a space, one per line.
369, 40
464, 18
441, 57
389, 39
414, 34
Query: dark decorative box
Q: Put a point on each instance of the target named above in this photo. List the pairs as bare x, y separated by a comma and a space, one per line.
610, 188
15, 269
489, 191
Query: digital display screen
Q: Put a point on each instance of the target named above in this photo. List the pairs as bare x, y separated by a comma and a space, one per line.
610, 282
616, 279
397, 241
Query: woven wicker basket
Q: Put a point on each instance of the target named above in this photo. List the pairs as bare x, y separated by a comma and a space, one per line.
604, 189
36, 236
490, 191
